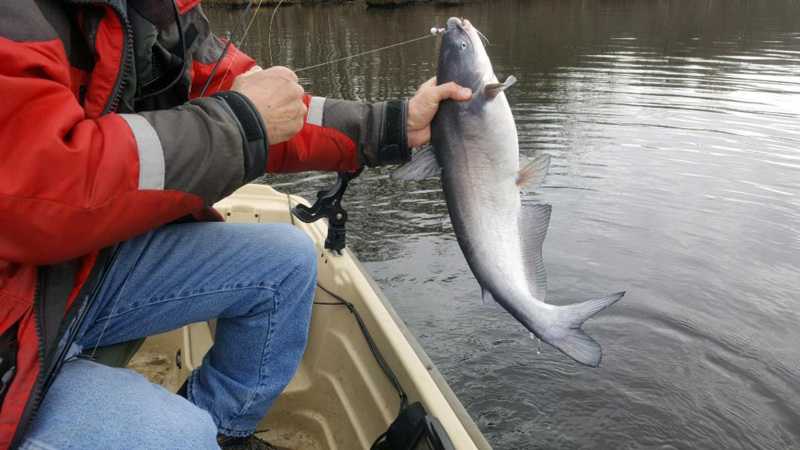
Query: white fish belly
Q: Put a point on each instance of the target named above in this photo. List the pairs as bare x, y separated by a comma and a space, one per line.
484, 197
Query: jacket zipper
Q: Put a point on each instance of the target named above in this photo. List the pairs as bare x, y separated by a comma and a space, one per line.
125, 71
46, 377
37, 393
81, 318
38, 315
126, 62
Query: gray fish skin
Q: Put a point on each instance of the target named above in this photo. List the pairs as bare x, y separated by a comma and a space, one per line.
475, 143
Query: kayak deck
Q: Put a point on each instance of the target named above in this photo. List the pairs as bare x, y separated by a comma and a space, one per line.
339, 398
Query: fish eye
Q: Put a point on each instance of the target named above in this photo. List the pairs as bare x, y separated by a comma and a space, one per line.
463, 45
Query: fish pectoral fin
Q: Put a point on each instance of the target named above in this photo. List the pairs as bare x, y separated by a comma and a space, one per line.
533, 173
422, 165
491, 90
488, 299
533, 222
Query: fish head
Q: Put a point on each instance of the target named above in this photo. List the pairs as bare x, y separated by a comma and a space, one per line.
462, 56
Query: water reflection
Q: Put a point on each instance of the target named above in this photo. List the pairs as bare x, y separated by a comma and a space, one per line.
674, 127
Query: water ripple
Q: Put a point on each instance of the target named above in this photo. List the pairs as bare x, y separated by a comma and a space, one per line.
674, 129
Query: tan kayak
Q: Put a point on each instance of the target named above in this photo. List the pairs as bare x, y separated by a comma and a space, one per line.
340, 398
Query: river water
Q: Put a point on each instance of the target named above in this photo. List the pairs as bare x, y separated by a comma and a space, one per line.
674, 127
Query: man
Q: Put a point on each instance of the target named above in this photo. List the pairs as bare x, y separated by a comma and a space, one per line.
104, 145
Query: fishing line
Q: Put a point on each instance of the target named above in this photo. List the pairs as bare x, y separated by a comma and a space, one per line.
255, 13
227, 46
365, 53
434, 32
269, 31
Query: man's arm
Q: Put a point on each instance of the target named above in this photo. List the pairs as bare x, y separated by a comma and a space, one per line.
345, 135
337, 135
340, 135
70, 185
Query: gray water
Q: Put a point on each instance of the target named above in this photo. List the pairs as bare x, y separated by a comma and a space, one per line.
674, 128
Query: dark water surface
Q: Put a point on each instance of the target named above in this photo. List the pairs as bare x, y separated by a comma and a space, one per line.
674, 128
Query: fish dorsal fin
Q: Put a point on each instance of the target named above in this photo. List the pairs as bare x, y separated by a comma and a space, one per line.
533, 223
422, 165
488, 299
532, 173
491, 90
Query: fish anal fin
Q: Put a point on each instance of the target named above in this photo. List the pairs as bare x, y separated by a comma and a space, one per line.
492, 89
533, 173
488, 299
422, 165
533, 223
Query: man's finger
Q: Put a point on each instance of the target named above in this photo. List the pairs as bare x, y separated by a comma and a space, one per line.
283, 72
450, 91
252, 70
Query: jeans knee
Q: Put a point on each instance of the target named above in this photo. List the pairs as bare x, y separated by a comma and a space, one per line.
95, 406
302, 250
196, 429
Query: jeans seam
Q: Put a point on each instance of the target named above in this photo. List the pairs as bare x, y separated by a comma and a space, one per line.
139, 252
264, 355
278, 298
196, 294
33, 444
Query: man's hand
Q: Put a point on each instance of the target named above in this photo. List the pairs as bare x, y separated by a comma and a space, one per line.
423, 106
278, 97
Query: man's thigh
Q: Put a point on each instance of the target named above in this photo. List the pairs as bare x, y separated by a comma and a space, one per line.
94, 406
185, 273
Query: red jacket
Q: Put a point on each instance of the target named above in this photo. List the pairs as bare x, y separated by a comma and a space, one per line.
87, 161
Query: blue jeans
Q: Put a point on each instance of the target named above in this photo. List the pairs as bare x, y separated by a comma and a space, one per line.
257, 280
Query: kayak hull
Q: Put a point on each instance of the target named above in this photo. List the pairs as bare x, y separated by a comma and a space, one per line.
339, 398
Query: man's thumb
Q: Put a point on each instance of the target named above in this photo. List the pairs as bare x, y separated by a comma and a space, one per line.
452, 91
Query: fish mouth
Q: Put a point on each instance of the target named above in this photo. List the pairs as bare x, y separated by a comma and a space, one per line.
455, 23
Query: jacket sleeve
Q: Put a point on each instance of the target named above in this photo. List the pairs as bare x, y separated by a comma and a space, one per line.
338, 134
205, 51
341, 135
70, 185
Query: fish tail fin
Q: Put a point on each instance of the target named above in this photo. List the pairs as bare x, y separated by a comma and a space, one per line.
565, 331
